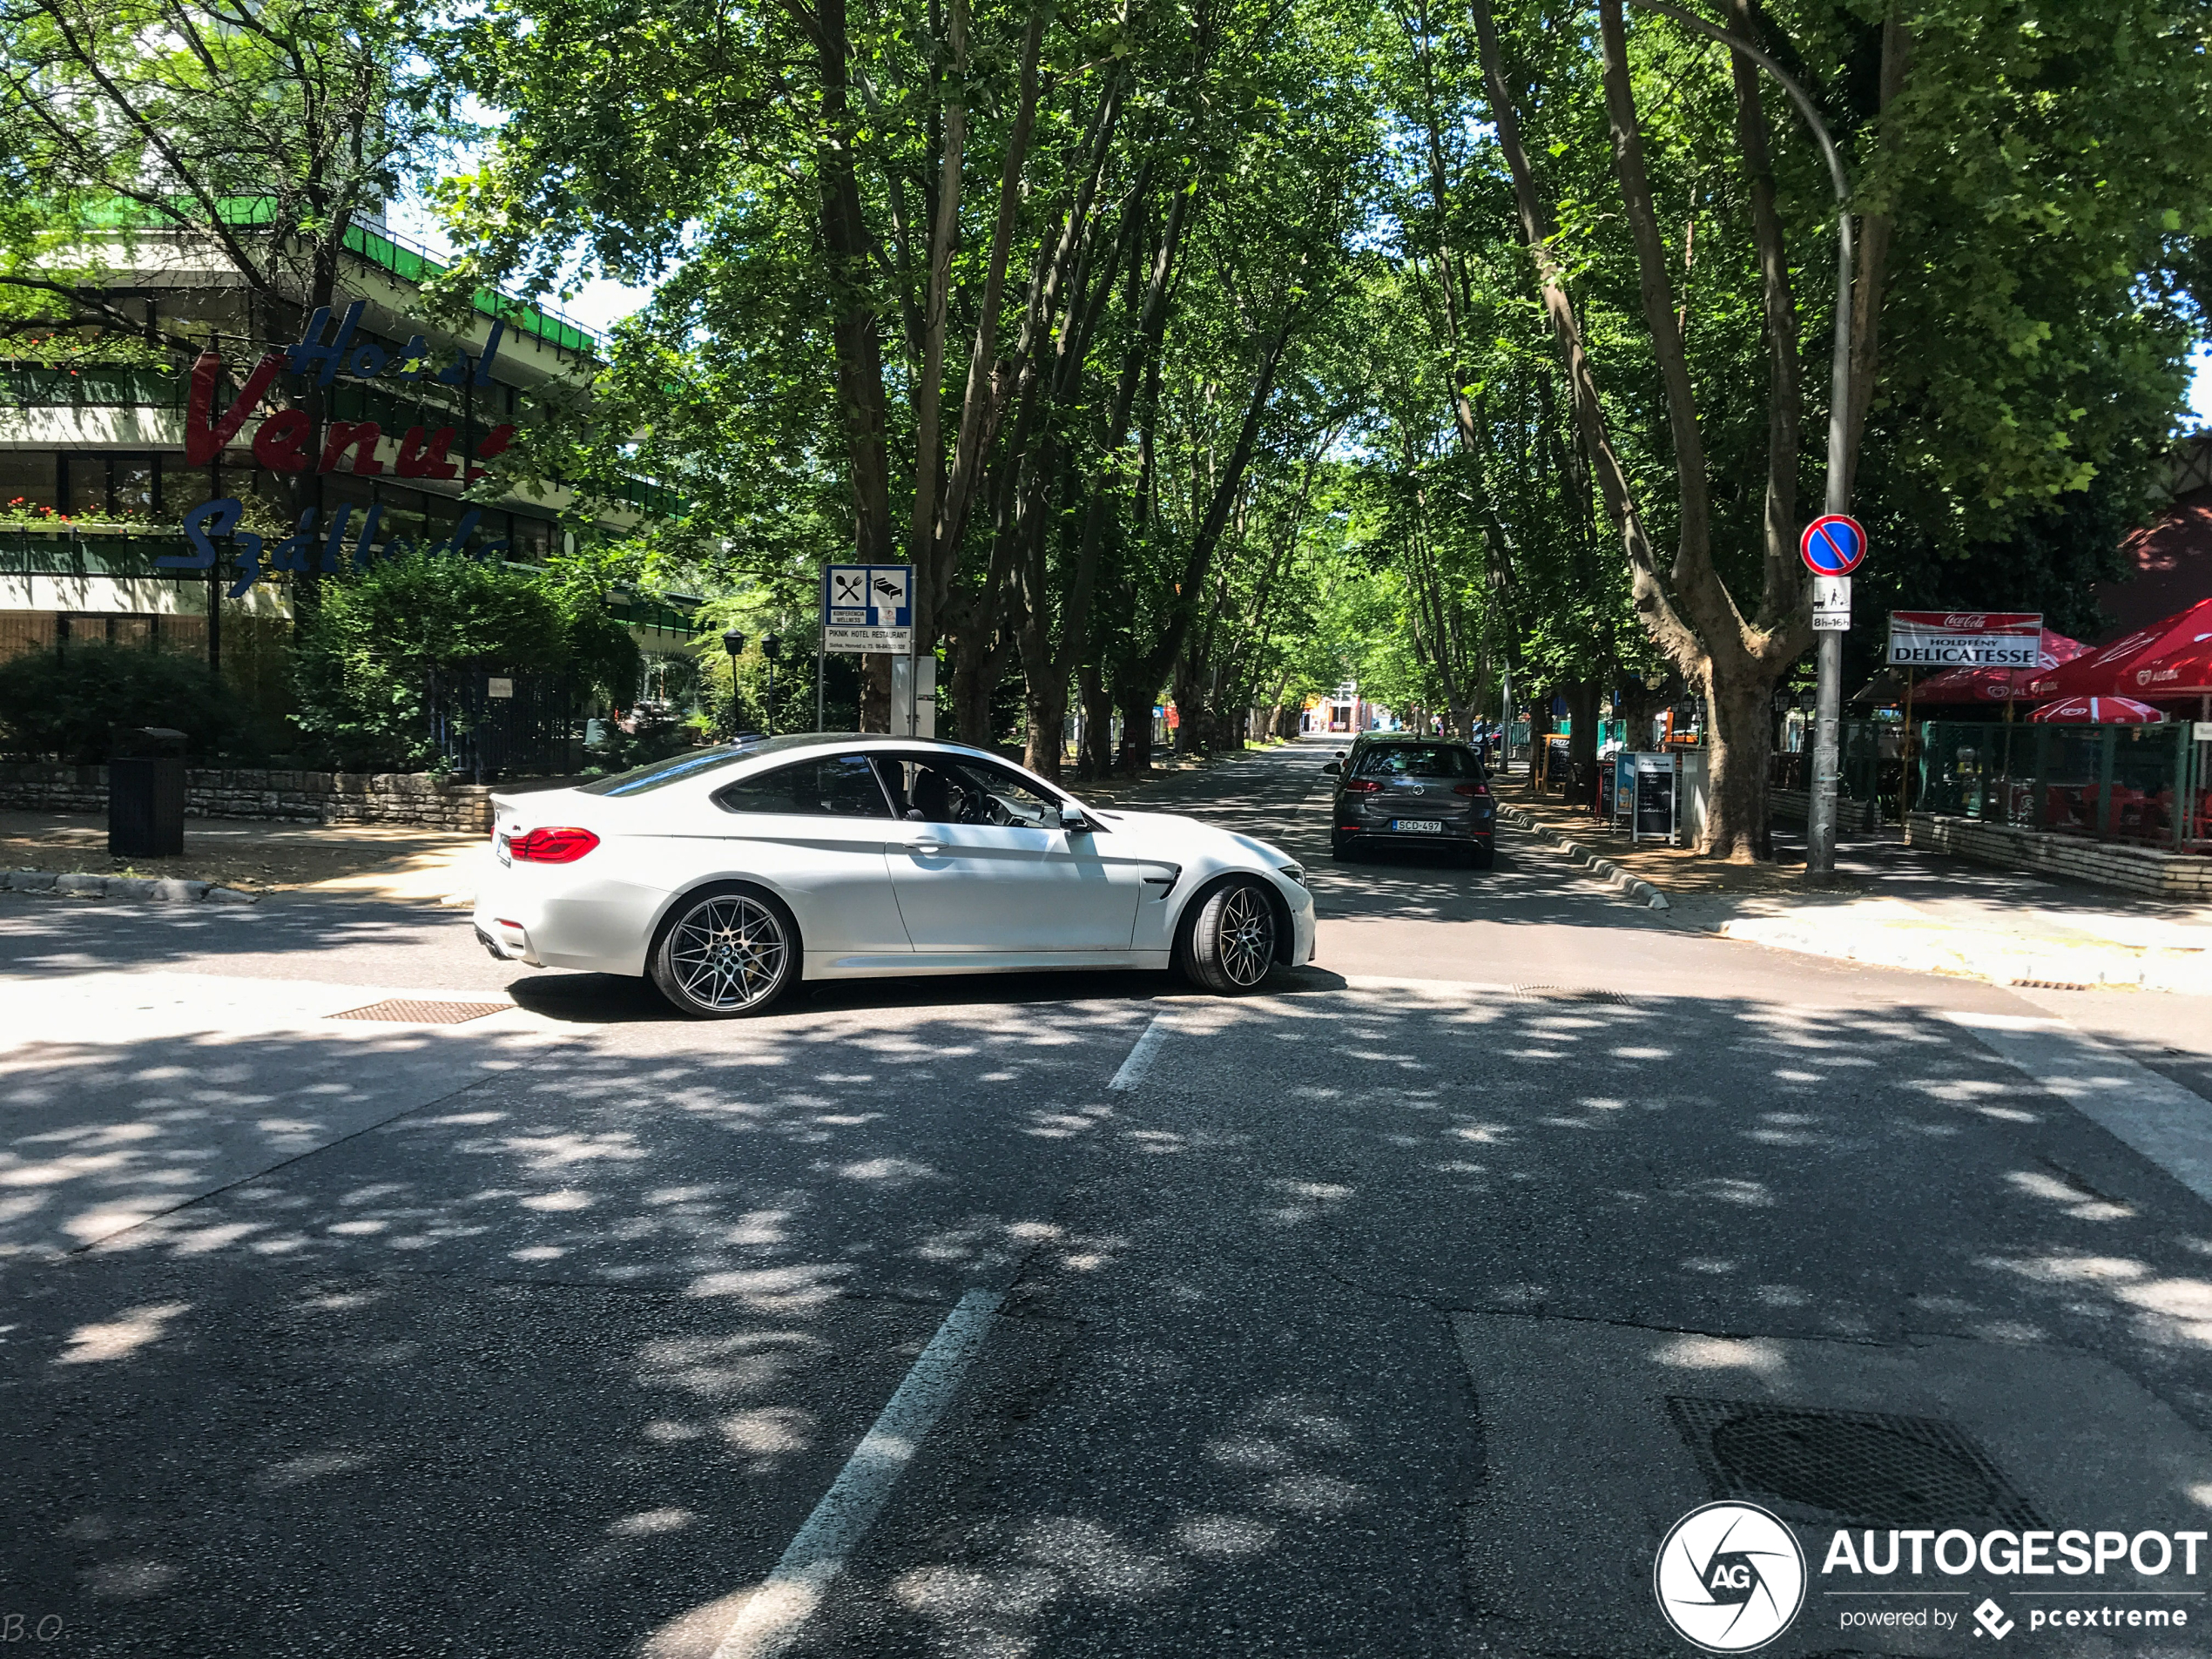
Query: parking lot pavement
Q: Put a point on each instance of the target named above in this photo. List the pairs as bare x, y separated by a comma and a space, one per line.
1354, 1320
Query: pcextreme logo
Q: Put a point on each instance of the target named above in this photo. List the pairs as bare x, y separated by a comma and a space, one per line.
1730, 1577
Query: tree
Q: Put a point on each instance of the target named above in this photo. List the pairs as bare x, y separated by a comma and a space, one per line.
932, 264
1663, 261
381, 656
156, 133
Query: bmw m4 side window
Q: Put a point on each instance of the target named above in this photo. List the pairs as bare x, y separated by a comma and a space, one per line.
839, 786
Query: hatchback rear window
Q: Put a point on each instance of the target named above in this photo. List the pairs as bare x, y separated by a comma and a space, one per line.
1419, 761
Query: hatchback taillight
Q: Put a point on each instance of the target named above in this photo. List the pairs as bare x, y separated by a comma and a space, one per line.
1361, 786
1471, 789
552, 846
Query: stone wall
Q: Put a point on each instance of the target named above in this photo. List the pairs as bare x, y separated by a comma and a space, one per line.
2106, 864
418, 798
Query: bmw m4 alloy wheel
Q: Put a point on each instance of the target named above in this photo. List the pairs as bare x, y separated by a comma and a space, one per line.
725, 953
1230, 944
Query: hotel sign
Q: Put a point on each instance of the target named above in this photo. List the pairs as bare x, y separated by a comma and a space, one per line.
286, 441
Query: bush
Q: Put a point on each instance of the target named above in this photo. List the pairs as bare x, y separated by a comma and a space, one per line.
384, 648
67, 703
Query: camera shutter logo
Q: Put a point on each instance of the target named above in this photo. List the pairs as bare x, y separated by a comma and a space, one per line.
1730, 1577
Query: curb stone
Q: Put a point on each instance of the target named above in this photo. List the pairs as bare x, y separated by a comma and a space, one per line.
150, 889
1634, 885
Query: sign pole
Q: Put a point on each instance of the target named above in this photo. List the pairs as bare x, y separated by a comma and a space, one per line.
1832, 547
1904, 752
1827, 753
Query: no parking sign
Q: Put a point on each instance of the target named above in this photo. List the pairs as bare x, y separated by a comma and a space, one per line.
1832, 545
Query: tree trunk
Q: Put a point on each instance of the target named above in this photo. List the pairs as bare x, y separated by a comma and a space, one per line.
1582, 705
975, 678
1095, 758
1044, 696
1136, 732
1737, 781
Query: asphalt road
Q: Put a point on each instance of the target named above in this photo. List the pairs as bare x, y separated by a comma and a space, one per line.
1390, 1313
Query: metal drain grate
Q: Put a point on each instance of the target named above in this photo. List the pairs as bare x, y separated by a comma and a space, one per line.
2051, 985
1566, 993
400, 1010
1864, 1467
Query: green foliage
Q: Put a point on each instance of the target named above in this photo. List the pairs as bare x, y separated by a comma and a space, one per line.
382, 653
68, 703
264, 129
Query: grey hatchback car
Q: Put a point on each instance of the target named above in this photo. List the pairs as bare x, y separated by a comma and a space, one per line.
1399, 787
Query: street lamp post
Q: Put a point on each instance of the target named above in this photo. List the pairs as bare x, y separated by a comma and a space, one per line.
1820, 816
733, 642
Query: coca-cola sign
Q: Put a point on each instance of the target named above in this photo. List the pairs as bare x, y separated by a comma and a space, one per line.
1966, 639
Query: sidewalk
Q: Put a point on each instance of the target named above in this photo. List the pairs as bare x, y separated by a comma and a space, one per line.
371, 860
1899, 906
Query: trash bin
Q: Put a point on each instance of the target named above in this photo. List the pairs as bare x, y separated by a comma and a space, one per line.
145, 793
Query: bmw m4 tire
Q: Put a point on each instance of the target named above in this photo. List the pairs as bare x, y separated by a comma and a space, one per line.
725, 952
1230, 944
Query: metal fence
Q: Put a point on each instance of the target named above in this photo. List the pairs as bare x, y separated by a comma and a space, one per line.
2149, 784
537, 730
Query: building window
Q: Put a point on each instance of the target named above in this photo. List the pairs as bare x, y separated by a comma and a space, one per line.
30, 477
98, 486
79, 628
135, 484
84, 486
532, 541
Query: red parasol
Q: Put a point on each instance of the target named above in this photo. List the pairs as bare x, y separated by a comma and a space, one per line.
2168, 659
1997, 685
2098, 710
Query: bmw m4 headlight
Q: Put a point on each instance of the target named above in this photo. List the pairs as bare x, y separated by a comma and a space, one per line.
1295, 872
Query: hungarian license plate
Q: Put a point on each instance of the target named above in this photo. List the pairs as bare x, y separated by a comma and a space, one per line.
1418, 826
499, 846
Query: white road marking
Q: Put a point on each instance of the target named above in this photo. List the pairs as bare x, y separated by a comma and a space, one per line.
1140, 1057
2169, 1124
779, 1610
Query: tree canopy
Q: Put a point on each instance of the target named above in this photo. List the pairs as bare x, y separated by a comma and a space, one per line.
1225, 350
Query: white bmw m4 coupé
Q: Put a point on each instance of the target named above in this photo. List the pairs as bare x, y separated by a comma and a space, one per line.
727, 874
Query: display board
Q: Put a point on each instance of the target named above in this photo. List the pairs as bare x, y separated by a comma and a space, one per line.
1653, 805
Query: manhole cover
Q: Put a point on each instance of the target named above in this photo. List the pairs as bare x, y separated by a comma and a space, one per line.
1566, 993
400, 1010
1871, 1468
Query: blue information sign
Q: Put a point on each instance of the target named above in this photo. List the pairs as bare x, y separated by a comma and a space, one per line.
868, 608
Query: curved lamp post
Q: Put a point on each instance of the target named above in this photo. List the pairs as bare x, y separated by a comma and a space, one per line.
1820, 818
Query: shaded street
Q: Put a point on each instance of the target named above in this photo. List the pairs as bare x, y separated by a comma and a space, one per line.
1381, 1313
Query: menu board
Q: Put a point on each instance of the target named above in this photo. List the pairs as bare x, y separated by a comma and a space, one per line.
1655, 798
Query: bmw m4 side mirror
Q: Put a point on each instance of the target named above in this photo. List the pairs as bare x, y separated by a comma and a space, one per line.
1072, 817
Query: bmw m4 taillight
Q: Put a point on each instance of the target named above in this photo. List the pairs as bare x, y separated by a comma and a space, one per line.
552, 846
